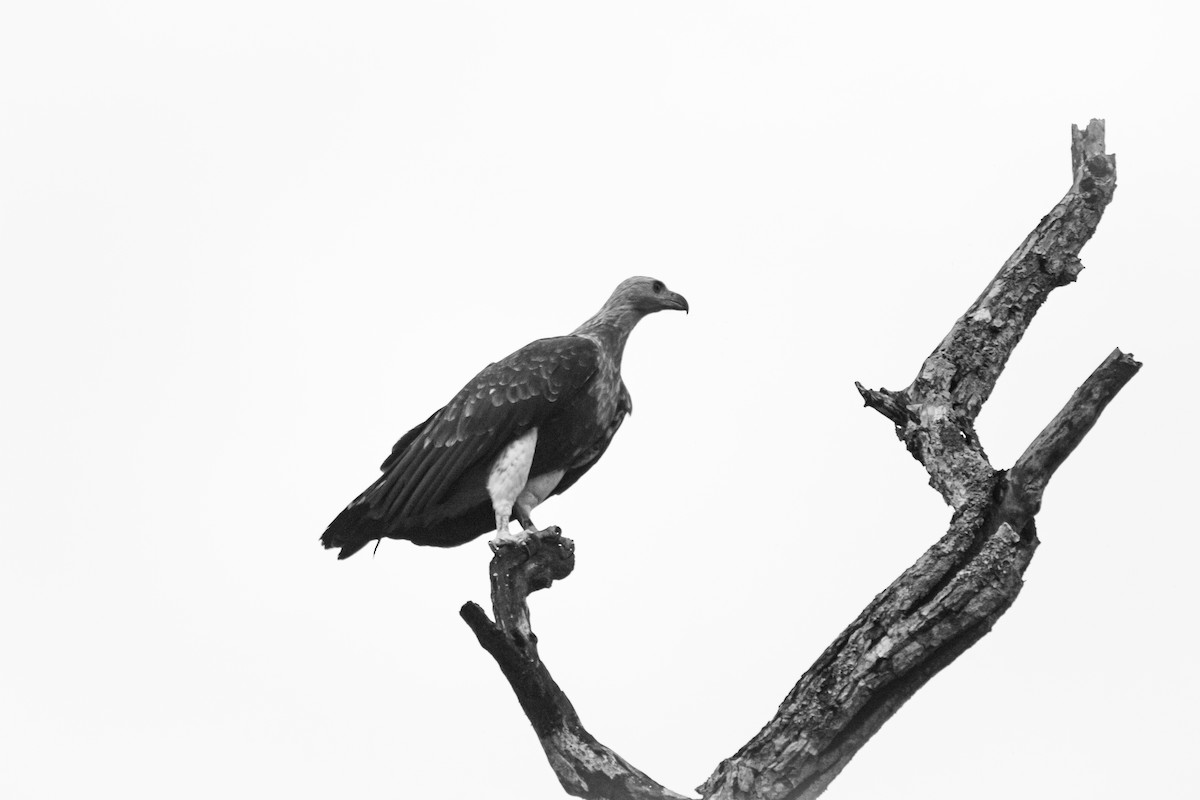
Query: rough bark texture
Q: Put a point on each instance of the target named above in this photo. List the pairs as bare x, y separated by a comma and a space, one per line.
938, 608
585, 767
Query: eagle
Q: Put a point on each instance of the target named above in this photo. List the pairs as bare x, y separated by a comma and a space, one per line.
525, 428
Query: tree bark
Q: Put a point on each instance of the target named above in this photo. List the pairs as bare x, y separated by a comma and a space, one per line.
585, 767
936, 609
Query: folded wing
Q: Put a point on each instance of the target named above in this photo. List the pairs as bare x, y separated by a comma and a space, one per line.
502, 402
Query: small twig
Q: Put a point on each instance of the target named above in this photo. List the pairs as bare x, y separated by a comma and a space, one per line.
890, 404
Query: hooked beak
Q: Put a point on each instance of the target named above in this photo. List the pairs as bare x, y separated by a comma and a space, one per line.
677, 302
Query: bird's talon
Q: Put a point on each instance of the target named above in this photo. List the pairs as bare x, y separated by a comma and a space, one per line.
503, 540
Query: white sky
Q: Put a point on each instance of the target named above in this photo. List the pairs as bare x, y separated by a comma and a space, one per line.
248, 245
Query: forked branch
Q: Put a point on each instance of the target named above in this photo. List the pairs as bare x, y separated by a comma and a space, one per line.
932, 613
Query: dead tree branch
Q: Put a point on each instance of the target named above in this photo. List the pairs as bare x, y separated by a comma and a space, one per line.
936, 609
584, 766
1029, 476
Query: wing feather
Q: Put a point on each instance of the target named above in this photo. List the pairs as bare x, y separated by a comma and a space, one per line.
503, 401
624, 408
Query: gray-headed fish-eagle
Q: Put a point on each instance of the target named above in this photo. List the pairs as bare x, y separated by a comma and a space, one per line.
525, 428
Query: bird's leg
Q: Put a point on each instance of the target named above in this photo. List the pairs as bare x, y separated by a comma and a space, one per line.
503, 536
523, 509
523, 517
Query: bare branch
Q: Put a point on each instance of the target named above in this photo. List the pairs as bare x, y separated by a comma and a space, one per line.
930, 615
585, 767
959, 375
957, 590
963, 369
1033, 469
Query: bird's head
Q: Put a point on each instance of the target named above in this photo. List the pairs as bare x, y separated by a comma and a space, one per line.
645, 296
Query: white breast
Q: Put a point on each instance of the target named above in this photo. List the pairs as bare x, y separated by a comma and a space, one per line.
510, 471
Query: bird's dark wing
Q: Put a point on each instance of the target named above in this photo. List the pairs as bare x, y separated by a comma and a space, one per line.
402, 444
624, 407
500, 403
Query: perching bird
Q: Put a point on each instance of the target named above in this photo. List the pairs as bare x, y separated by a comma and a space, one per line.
523, 429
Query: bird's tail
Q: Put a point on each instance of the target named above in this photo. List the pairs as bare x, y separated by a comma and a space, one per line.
352, 530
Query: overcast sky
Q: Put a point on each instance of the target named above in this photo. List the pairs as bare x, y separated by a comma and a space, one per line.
247, 245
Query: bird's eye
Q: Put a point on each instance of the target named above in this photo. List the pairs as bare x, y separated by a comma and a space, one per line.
658, 287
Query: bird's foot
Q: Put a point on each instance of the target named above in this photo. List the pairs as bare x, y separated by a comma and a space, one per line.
506, 539
529, 538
